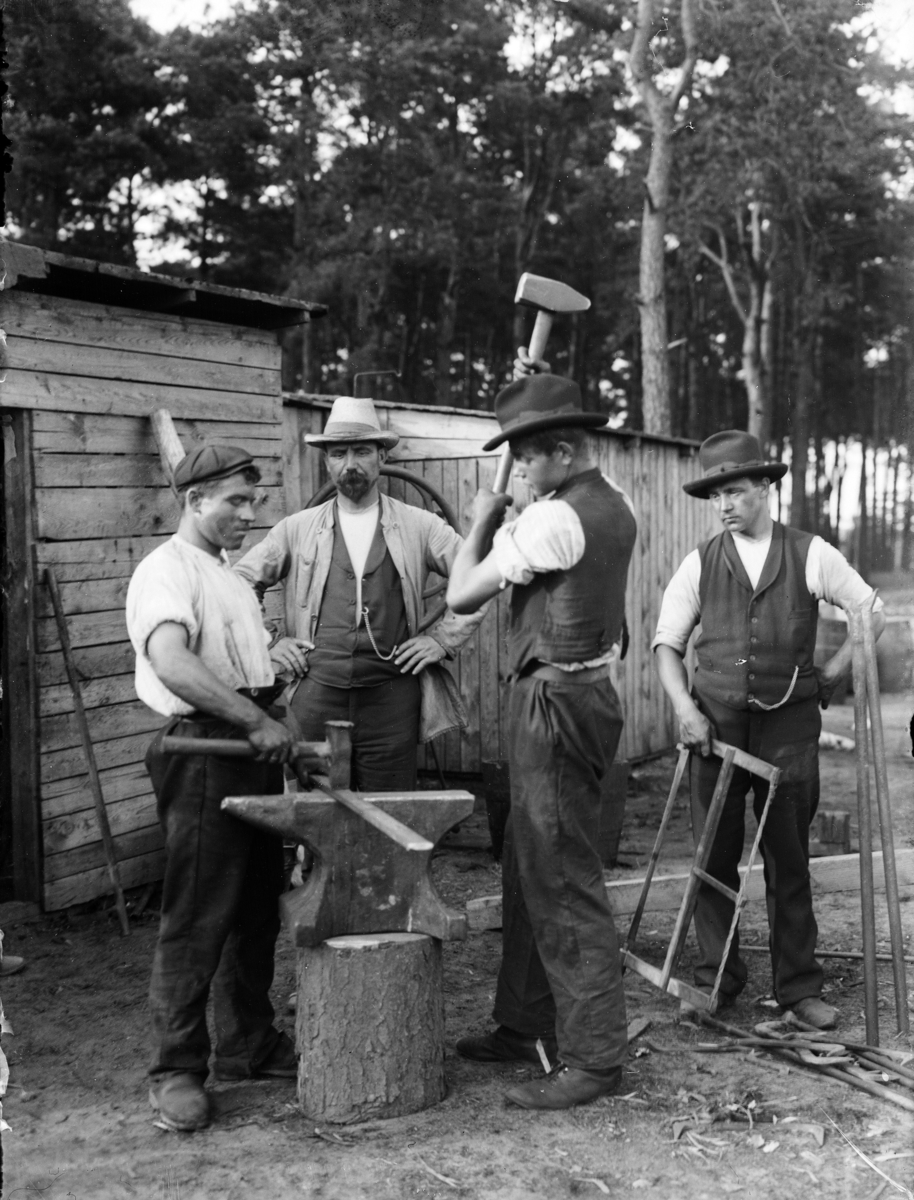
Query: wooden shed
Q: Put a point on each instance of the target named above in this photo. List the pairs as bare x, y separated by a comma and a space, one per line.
443, 445
91, 350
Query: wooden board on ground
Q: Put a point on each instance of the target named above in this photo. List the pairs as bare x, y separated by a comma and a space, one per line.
838, 873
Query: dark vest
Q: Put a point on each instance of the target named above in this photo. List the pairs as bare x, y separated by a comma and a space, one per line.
343, 655
576, 615
752, 642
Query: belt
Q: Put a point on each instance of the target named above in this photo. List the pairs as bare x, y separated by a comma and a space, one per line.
263, 697
557, 675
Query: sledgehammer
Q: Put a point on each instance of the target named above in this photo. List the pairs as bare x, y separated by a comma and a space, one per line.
548, 297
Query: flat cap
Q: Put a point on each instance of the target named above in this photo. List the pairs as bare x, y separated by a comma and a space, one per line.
211, 462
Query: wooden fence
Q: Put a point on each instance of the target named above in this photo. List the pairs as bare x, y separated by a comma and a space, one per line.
84, 493
443, 446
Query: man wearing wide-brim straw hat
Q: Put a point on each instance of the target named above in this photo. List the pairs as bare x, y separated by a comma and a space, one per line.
566, 556
354, 570
755, 589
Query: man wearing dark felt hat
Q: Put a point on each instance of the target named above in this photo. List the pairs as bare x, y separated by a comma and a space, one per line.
566, 556
754, 590
202, 662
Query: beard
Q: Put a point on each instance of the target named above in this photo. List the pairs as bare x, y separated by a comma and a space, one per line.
353, 484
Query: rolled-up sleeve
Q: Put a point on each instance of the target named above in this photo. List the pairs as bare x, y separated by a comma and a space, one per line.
547, 536
156, 598
837, 582
680, 610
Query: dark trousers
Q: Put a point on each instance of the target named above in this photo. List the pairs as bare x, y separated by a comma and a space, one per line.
560, 968
385, 733
788, 738
220, 909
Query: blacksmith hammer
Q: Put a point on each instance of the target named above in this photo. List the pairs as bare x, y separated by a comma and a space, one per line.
333, 756
548, 297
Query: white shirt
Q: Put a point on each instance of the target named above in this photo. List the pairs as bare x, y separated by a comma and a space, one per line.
179, 582
547, 536
358, 530
829, 577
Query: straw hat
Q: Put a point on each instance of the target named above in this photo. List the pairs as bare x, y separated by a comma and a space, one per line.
352, 420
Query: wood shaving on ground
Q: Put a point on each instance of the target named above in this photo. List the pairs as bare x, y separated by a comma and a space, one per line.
334, 1138
899, 1187
444, 1178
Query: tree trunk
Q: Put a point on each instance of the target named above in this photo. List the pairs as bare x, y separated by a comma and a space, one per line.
370, 1027
661, 111
799, 434
444, 338
655, 368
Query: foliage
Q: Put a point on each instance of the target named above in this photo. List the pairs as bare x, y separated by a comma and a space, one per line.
405, 161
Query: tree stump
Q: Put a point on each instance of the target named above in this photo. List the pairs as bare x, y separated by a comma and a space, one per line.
370, 1027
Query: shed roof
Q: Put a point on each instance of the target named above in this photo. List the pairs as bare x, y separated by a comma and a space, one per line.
51, 273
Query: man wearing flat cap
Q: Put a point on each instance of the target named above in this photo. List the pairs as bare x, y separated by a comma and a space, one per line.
202, 662
559, 994
354, 570
755, 589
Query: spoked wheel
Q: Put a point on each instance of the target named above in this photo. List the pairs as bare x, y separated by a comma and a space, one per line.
445, 508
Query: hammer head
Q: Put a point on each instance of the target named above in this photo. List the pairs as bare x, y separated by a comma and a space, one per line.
549, 294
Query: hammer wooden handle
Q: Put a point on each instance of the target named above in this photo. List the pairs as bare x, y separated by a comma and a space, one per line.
540, 335
310, 754
503, 474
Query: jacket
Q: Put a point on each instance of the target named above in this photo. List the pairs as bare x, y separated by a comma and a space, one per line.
298, 552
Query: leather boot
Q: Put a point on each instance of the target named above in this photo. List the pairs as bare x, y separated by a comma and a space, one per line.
565, 1087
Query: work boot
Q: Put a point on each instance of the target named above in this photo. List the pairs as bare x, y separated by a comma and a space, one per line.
11, 964
813, 1011
181, 1102
564, 1087
504, 1045
280, 1063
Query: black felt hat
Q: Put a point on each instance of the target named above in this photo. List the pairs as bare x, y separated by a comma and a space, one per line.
539, 402
211, 462
728, 455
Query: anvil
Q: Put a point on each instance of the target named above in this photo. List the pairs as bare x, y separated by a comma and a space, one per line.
361, 881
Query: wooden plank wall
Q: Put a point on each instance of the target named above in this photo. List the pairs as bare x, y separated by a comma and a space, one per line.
92, 374
443, 446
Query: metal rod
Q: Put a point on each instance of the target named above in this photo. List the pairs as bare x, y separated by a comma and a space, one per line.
852, 954
776, 1047
82, 725
865, 828
395, 830
883, 802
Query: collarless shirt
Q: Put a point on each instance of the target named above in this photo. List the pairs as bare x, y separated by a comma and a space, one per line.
358, 530
829, 577
180, 583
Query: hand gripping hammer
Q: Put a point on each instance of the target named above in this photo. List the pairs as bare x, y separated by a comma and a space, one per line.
548, 297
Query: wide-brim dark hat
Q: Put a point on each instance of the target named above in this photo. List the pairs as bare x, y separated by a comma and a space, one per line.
210, 462
539, 402
728, 455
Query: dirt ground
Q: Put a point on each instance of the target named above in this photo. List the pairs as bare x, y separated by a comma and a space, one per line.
80, 1127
